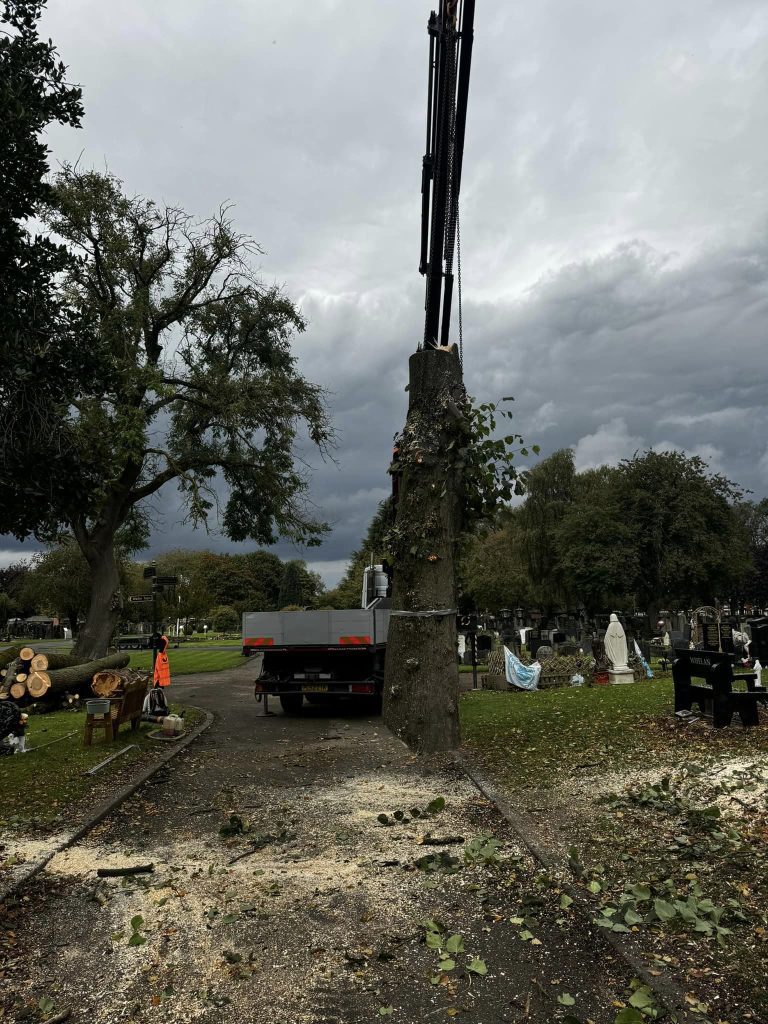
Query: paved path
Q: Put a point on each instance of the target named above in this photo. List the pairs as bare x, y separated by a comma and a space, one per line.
321, 923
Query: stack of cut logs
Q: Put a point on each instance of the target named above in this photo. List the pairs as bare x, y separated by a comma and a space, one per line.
31, 677
26, 675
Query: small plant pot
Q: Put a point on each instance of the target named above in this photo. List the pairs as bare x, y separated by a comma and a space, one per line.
601, 679
97, 707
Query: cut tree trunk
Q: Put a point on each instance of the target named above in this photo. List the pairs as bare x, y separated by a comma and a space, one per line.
38, 684
421, 681
26, 654
78, 675
105, 606
39, 663
18, 690
106, 683
56, 661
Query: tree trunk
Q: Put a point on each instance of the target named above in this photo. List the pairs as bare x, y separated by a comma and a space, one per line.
82, 675
106, 602
421, 682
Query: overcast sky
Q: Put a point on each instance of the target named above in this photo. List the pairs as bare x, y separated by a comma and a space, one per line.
614, 213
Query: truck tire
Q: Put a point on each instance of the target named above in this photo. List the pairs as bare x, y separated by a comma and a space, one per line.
291, 703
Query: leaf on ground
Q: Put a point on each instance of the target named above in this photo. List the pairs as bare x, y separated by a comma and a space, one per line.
477, 966
642, 998
566, 999
629, 1016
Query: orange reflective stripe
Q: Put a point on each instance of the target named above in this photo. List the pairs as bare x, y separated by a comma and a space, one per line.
354, 640
258, 641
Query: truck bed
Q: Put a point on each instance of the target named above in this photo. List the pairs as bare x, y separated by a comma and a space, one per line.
325, 629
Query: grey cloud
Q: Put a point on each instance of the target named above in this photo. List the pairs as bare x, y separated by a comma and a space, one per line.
614, 210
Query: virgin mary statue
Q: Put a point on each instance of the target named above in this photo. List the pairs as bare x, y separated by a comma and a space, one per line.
616, 644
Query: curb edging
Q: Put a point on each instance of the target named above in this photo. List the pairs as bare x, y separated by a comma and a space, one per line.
107, 806
666, 989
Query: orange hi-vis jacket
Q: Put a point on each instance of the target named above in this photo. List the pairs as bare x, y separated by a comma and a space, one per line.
162, 668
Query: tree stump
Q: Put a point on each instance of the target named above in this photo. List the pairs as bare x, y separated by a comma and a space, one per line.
421, 681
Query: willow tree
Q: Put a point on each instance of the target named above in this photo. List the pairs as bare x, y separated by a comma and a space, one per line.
194, 385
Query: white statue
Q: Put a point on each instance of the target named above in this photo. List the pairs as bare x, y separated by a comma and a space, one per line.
616, 645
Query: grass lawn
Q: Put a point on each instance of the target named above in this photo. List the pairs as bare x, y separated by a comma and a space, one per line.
194, 658
666, 824
538, 738
39, 785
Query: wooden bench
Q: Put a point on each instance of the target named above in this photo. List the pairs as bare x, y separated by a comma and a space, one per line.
716, 694
123, 707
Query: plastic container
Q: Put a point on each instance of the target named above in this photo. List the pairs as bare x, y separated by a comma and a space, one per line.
172, 725
97, 707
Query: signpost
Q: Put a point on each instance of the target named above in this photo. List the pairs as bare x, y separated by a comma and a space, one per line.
159, 585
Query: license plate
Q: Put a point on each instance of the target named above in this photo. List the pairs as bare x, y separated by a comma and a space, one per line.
314, 689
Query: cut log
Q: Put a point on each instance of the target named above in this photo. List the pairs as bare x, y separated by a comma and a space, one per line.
26, 654
57, 661
39, 663
9, 655
38, 684
106, 684
18, 690
21, 677
67, 678
10, 675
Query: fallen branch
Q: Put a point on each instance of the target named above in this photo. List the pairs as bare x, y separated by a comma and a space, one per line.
441, 840
260, 843
58, 1018
139, 869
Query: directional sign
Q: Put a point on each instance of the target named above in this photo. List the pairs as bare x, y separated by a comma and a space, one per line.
165, 581
150, 571
143, 599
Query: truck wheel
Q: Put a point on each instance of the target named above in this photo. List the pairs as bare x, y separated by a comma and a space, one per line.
291, 703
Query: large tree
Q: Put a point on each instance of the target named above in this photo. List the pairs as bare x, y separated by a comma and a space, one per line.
59, 581
550, 487
40, 363
493, 569
689, 544
196, 386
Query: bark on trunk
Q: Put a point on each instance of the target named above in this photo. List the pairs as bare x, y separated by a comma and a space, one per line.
82, 675
421, 682
105, 607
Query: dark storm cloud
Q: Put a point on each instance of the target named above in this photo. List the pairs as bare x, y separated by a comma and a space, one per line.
613, 208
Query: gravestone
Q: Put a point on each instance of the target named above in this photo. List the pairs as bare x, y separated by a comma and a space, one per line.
717, 637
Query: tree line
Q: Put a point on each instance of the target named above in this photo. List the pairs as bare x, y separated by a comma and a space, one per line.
660, 530
213, 589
